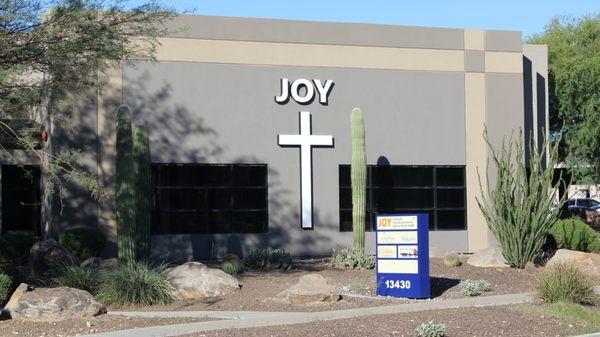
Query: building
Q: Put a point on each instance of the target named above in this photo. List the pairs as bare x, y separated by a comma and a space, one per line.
227, 98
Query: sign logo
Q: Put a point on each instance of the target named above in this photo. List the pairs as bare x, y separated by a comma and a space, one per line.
310, 87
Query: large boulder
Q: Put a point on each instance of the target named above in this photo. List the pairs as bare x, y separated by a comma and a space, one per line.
311, 288
194, 280
589, 263
53, 304
100, 263
490, 257
47, 257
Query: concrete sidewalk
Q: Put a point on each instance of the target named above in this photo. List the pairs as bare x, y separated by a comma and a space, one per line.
252, 319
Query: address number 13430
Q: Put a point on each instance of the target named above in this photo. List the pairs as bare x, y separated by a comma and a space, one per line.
397, 284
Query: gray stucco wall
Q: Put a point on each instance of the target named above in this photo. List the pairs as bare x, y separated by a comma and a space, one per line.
223, 113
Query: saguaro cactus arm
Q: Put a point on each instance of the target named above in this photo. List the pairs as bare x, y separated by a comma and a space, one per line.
358, 173
143, 185
125, 198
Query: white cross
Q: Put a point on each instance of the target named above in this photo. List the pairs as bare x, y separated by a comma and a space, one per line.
306, 140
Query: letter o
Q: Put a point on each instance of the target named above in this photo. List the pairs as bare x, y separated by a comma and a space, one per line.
310, 90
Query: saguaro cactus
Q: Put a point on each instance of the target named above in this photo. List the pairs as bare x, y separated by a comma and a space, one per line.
143, 185
125, 199
358, 173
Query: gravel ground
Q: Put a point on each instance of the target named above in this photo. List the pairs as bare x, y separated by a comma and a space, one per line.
75, 327
259, 287
493, 321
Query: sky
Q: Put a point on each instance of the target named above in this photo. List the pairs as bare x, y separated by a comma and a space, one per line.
528, 16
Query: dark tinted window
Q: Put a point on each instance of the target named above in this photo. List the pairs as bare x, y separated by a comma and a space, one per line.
436, 190
207, 199
21, 199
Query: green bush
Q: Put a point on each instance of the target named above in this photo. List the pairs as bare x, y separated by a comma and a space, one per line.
451, 260
574, 234
431, 329
566, 283
352, 258
475, 288
77, 277
15, 246
269, 259
232, 267
5, 288
83, 242
135, 283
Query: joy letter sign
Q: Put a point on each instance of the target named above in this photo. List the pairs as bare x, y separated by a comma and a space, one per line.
293, 89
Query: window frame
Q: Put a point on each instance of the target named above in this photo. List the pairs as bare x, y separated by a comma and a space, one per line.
434, 188
230, 188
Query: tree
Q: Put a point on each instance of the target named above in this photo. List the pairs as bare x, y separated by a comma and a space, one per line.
574, 88
55, 48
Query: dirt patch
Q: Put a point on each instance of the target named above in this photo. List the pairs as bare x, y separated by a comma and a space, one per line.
259, 287
492, 321
75, 327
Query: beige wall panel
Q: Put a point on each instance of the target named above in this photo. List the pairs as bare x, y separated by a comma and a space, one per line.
474, 39
501, 62
289, 54
476, 157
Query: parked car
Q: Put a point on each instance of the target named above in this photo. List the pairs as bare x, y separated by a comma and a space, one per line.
583, 204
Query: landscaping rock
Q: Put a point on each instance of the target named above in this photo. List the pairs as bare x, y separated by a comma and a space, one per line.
589, 263
54, 304
311, 288
100, 263
16, 295
47, 257
490, 257
194, 280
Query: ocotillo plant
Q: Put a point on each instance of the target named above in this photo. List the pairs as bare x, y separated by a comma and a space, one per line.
358, 173
518, 203
143, 186
125, 199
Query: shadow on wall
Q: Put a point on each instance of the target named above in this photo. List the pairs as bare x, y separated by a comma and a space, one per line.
171, 124
74, 129
535, 109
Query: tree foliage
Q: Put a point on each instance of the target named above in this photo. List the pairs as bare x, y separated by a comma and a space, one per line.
574, 88
51, 50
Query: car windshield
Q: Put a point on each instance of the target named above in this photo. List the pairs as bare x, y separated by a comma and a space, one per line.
594, 203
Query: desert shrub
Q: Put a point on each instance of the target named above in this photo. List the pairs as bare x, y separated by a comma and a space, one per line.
518, 203
230, 256
530, 267
475, 287
135, 283
451, 260
232, 267
431, 329
352, 258
566, 283
87, 278
5, 288
83, 242
574, 234
269, 259
15, 246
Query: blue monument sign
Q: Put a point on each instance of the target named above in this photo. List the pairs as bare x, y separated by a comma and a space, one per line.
402, 253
